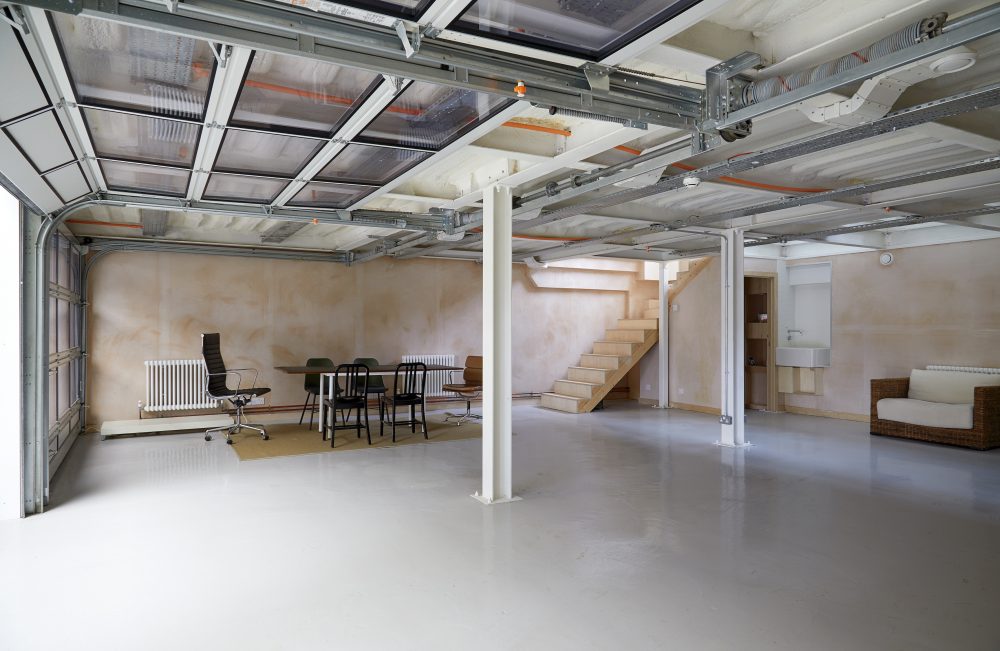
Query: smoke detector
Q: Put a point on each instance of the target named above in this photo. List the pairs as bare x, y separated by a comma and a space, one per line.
886, 259
691, 181
953, 62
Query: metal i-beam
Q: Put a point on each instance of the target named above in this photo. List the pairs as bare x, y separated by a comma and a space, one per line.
291, 30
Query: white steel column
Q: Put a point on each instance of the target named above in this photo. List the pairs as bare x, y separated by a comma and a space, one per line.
663, 341
497, 221
11, 452
732, 339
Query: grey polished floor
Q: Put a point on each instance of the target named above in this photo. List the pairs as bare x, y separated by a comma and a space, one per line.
635, 532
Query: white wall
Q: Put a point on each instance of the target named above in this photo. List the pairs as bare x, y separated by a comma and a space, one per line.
10, 358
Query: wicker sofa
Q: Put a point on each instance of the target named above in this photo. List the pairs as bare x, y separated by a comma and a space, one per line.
940, 405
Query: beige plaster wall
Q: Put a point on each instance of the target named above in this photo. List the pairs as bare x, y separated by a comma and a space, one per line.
277, 312
934, 305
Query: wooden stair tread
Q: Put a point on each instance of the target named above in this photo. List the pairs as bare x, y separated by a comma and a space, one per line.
591, 384
593, 368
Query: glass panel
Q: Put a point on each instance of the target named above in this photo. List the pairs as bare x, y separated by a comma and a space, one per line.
594, 28
53, 398
369, 164
149, 140
401, 8
63, 375
329, 195
286, 92
270, 153
428, 115
64, 326
63, 259
112, 64
131, 177
53, 325
74, 326
253, 189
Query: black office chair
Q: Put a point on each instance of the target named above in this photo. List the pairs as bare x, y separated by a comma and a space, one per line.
376, 386
409, 384
218, 387
353, 395
312, 385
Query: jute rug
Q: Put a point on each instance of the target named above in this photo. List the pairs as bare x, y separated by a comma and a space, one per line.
292, 439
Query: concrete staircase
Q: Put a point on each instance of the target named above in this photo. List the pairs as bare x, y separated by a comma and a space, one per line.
599, 371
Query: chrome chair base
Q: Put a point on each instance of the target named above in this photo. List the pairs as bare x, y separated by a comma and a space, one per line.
462, 418
240, 424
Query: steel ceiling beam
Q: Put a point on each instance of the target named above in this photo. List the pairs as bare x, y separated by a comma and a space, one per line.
121, 245
290, 30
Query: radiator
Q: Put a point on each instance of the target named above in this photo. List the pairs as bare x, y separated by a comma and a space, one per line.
435, 379
175, 384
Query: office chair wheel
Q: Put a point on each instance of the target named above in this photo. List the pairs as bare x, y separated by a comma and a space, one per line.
265, 437
208, 437
229, 441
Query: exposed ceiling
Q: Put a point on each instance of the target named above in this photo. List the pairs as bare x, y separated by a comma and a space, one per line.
156, 114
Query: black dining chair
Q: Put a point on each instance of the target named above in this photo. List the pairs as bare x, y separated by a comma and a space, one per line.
409, 384
376, 387
353, 394
312, 386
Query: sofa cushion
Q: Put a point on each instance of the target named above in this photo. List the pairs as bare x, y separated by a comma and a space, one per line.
921, 412
955, 387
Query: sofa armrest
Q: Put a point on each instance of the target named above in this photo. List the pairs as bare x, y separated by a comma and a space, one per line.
986, 412
896, 387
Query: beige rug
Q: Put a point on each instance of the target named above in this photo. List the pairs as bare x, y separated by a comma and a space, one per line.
292, 439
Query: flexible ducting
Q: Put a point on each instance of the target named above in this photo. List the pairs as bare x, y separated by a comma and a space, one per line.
917, 32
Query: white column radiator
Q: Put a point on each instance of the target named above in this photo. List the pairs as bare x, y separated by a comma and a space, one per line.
435, 379
175, 384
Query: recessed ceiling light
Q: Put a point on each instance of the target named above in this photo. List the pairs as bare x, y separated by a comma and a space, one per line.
954, 62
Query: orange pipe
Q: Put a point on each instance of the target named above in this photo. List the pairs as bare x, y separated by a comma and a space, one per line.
91, 222
541, 238
628, 150
752, 184
538, 127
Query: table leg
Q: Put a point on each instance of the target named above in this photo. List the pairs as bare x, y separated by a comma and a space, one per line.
322, 379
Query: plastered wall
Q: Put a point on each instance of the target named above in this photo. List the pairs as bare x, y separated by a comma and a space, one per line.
934, 305
277, 312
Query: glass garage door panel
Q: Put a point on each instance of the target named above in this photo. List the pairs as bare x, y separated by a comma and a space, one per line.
400, 8
592, 28
297, 94
273, 154
115, 65
370, 164
430, 116
138, 138
132, 177
330, 195
251, 189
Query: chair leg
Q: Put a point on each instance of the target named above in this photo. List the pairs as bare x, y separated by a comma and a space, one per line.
393, 421
304, 408
368, 430
413, 418
381, 417
423, 418
312, 411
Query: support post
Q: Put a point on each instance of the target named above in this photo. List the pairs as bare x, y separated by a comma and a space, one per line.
497, 224
663, 343
732, 340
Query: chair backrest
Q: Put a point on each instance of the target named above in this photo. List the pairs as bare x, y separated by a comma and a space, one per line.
211, 350
355, 380
410, 379
312, 379
473, 373
374, 382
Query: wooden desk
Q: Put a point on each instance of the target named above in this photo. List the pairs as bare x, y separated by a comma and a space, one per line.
327, 372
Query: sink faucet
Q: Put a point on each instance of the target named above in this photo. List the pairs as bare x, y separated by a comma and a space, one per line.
791, 330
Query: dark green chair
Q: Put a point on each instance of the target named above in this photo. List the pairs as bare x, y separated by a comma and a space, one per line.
375, 384
312, 386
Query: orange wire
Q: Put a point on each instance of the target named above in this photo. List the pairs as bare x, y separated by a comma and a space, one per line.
537, 127
628, 150
753, 184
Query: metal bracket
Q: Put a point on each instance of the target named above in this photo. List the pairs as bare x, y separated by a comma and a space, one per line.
397, 83
726, 420
171, 5
18, 22
222, 54
723, 84
598, 76
410, 48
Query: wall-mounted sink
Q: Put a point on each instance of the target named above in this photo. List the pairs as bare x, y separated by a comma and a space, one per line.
802, 356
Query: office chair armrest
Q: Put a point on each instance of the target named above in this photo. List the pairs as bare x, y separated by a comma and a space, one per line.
239, 377
255, 374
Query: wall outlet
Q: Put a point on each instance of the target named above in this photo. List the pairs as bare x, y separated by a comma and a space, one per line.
674, 307
649, 387
680, 391
257, 401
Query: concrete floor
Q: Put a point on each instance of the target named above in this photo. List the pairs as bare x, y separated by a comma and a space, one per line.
635, 532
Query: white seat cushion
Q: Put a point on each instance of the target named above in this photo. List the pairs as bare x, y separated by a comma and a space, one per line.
955, 387
921, 412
